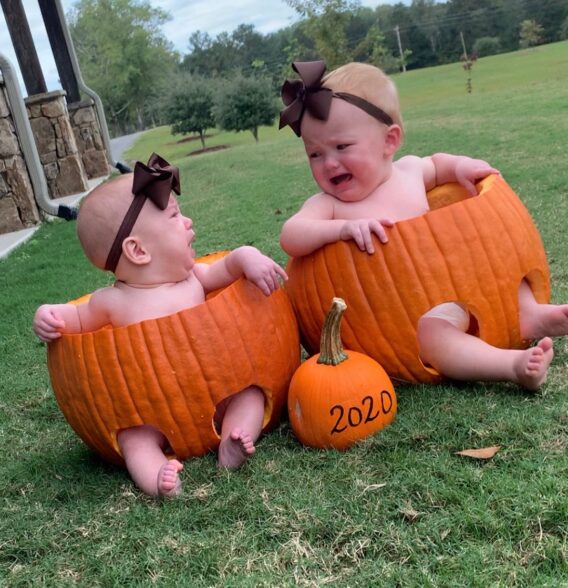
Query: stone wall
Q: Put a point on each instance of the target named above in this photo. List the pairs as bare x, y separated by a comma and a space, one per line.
56, 144
88, 138
18, 209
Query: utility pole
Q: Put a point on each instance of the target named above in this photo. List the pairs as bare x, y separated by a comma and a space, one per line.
402, 61
467, 65
463, 45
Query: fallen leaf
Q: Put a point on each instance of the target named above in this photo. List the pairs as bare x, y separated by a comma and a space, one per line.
409, 513
373, 487
484, 453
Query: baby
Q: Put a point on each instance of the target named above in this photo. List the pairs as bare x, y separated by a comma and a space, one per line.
148, 247
351, 126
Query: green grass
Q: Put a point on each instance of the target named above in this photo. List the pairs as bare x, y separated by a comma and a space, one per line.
400, 509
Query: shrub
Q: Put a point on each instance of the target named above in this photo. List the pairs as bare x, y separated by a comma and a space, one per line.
487, 46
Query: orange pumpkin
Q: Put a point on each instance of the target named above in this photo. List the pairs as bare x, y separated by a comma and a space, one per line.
472, 250
172, 372
336, 397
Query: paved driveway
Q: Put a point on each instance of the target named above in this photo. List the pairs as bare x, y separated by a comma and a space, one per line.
119, 145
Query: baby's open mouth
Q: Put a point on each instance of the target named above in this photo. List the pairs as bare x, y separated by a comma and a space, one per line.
340, 179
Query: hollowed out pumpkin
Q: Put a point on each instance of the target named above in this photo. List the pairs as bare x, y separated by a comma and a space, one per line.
472, 250
172, 372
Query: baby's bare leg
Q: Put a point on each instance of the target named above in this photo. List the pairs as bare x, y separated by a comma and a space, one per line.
241, 427
143, 451
540, 320
460, 356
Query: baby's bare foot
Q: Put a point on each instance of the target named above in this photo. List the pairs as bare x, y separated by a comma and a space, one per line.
236, 449
550, 320
532, 366
169, 483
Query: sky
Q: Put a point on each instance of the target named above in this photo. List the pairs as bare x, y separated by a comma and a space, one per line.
188, 16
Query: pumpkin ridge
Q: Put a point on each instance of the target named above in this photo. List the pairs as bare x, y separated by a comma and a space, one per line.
97, 364
255, 378
505, 211
178, 412
192, 366
435, 237
89, 384
196, 370
162, 367
226, 336
350, 333
280, 332
237, 317
387, 328
306, 291
517, 256
132, 393
324, 277
408, 232
74, 410
410, 254
494, 267
158, 403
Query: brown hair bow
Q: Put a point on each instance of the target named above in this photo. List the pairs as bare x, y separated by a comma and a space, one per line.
154, 181
305, 94
308, 94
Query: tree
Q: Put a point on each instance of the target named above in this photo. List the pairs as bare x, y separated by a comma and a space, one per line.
530, 34
123, 55
191, 107
372, 49
327, 22
244, 104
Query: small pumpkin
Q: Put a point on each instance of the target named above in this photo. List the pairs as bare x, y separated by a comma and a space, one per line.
470, 250
173, 371
338, 397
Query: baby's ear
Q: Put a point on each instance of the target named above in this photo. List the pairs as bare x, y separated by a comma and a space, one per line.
393, 139
133, 249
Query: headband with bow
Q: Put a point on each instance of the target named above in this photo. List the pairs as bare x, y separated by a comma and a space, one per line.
308, 94
154, 181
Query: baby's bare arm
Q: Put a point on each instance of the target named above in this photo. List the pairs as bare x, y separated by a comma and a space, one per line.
53, 320
243, 261
312, 227
459, 168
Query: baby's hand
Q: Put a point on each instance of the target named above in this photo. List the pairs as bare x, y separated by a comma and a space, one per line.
48, 323
469, 170
360, 231
262, 271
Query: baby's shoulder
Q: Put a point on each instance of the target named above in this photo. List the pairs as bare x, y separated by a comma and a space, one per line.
321, 202
409, 163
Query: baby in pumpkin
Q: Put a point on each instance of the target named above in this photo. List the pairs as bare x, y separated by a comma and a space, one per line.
148, 247
351, 126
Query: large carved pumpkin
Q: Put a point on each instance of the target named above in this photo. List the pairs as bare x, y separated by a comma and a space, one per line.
173, 371
472, 250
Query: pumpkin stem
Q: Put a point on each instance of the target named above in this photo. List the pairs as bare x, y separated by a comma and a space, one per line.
331, 349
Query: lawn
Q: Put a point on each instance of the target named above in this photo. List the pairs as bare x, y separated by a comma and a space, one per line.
399, 509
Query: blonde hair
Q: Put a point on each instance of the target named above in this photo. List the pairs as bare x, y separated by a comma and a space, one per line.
100, 216
367, 82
